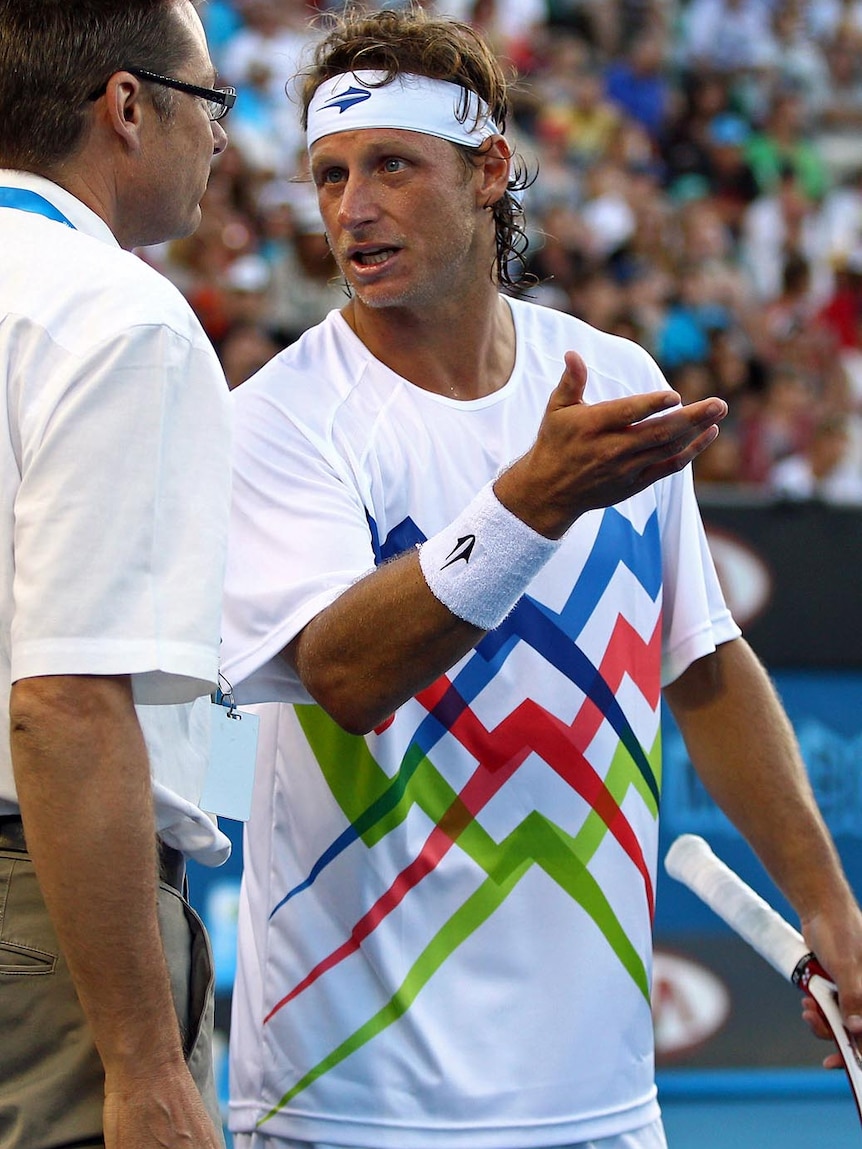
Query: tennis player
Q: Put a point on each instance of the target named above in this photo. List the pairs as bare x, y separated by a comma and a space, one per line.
466, 561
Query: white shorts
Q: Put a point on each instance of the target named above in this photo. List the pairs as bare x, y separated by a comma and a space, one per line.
648, 1137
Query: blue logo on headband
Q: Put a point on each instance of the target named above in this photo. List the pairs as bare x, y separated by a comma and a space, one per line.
348, 99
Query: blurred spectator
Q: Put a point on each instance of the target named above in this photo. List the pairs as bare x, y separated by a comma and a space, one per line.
720, 465
828, 19
842, 312
731, 179
780, 427
726, 35
607, 25
782, 143
638, 82
777, 225
738, 375
842, 215
578, 113
701, 98
221, 22
823, 470
704, 239
791, 311
247, 284
509, 25
596, 298
305, 281
693, 314
198, 265
645, 266
607, 214
692, 380
245, 349
262, 59
559, 259
794, 58
839, 113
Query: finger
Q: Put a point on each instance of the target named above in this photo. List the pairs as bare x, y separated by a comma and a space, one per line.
622, 414
570, 389
814, 1020
683, 422
671, 456
850, 1012
847, 980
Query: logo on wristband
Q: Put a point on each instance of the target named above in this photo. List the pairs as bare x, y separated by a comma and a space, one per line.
462, 550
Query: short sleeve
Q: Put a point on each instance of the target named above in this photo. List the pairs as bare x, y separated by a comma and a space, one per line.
120, 518
299, 537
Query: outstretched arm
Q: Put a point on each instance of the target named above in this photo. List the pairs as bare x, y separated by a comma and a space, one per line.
388, 636
743, 747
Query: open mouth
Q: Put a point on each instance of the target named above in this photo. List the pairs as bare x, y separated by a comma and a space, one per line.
372, 257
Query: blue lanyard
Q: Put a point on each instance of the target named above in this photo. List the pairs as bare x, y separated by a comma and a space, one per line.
31, 201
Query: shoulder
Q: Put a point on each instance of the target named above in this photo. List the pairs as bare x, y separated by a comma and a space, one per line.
137, 295
615, 365
309, 381
85, 292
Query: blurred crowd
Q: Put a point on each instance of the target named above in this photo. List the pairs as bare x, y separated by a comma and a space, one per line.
699, 191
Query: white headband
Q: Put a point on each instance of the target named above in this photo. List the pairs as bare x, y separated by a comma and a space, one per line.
414, 103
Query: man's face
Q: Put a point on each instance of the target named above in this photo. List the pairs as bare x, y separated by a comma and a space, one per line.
180, 149
401, 214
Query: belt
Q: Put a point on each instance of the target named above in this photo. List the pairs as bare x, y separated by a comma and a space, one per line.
172, 863
172, 866
12, 833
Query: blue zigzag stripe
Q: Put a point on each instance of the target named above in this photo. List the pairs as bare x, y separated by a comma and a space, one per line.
551, 635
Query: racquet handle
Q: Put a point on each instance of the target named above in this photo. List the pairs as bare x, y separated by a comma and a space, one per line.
692, 862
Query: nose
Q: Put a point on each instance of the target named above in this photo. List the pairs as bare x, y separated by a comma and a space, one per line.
357, 205
219, 137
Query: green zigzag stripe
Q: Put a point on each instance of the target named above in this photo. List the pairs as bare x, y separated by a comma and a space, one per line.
550, 849
536, 841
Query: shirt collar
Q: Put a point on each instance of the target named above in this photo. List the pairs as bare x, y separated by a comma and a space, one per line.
83, 217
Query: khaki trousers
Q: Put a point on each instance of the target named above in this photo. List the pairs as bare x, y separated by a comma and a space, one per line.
51, 1078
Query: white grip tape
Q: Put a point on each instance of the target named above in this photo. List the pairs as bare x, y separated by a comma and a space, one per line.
692, 862
481, 564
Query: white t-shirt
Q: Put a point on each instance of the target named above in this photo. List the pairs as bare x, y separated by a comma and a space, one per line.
445, 925
115, 489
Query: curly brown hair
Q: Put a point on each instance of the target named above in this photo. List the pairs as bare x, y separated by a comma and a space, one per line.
409, 40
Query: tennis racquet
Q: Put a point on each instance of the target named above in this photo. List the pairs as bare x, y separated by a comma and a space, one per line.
691, 861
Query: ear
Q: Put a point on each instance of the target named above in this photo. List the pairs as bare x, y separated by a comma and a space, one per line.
124, 111
494, 164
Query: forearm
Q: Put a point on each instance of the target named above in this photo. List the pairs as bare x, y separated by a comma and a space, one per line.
83, 780
745, 752
382, 641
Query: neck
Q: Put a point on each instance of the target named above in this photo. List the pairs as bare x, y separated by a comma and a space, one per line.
438, 351
83, 181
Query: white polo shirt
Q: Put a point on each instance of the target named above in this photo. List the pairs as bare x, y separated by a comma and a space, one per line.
114, 489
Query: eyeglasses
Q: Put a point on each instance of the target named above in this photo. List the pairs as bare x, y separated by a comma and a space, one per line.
219, 101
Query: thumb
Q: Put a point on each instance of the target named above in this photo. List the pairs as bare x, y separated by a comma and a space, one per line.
570, 390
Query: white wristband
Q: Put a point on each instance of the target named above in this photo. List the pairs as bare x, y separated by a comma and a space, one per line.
481, 564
